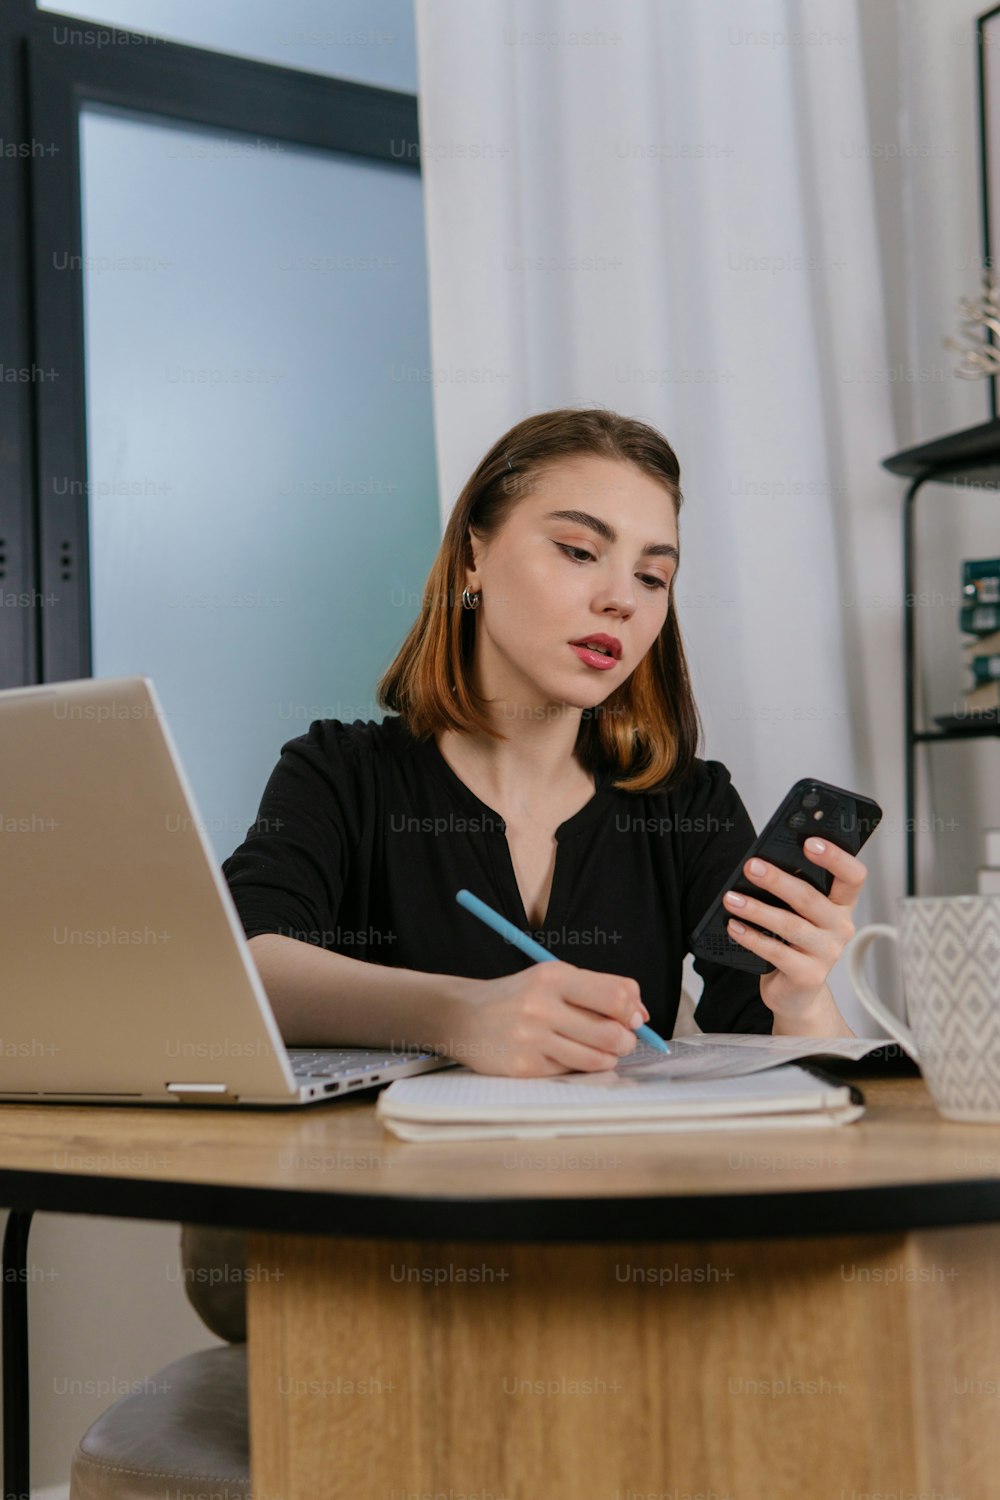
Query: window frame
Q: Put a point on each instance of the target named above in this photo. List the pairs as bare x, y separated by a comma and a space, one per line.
45, 634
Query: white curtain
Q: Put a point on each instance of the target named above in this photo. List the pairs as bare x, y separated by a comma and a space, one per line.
667, 207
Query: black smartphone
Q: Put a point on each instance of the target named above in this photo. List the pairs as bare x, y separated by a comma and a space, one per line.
810, 808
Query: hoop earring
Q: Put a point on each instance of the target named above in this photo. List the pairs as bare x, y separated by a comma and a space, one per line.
471, 601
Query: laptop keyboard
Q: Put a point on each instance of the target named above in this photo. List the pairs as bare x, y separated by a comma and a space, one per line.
330, 1063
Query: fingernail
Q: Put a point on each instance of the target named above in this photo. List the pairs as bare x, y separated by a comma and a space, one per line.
816, 845
756, 867
734, 899
637, 1020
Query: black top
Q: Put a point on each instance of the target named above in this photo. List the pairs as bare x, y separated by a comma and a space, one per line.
365, 834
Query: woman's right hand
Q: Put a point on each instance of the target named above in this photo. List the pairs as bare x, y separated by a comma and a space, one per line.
550, 1018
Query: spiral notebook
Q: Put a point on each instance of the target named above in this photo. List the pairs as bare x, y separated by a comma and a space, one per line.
764, 1091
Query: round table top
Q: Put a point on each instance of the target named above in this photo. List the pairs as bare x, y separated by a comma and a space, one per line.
335, 1169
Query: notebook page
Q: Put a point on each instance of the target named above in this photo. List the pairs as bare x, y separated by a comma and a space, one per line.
729, 1055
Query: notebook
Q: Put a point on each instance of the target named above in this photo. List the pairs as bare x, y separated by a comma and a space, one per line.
763, 1090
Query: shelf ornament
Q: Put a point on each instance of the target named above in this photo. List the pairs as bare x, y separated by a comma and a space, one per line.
980, 356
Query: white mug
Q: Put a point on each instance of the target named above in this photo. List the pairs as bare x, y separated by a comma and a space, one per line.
951, 985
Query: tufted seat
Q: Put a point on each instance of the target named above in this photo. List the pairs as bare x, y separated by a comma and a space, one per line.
186, 1429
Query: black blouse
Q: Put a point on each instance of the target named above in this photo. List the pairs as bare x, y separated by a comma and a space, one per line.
364, 835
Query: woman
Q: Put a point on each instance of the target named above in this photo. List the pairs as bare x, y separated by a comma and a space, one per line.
556, 780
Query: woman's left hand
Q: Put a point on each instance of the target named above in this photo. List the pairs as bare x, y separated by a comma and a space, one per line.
816, 930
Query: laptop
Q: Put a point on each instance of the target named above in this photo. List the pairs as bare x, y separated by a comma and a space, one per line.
127, 978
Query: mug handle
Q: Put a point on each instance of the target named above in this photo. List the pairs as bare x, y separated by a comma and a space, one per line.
856, 950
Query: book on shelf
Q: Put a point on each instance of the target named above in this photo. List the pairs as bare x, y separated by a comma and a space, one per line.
980, 645
981, 699
985, 669
982, 658
976, 619
980, 620
981, 580
980, 609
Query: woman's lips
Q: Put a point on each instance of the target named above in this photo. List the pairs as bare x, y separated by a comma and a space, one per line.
594, 658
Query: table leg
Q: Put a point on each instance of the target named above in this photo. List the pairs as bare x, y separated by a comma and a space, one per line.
751, 1370
16, 1426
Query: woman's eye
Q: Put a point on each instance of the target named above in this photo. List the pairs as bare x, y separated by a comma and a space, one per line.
582, 556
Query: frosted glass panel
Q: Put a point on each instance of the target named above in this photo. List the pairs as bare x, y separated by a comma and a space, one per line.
371, 41
262, 483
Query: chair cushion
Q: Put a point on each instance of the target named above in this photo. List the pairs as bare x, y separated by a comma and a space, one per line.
213, 1261
187, 1426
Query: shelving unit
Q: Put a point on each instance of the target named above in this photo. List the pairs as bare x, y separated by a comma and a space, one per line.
972, 455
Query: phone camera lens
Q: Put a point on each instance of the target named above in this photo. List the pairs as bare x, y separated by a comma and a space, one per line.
811, 799
797, 820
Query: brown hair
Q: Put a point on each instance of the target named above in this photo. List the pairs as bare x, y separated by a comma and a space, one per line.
648, 728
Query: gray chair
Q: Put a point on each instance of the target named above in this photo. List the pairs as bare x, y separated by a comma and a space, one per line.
189, 1429
192, 1426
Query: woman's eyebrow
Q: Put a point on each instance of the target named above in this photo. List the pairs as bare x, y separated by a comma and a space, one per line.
608, 533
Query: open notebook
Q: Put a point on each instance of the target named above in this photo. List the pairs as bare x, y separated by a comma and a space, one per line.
720, 1083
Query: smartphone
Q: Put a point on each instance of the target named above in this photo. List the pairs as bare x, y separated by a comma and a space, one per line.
810, 808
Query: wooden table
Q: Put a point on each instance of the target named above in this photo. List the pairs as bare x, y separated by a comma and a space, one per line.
753, 1316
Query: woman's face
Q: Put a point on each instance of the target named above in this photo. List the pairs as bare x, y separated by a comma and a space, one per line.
548, 580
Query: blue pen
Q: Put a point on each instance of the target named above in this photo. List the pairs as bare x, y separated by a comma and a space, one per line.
534, 950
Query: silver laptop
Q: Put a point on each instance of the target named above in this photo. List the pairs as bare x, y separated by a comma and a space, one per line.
126, 975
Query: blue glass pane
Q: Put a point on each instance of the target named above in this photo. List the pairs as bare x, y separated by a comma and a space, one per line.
262, 482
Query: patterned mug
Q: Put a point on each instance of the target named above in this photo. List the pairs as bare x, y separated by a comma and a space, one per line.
951, 985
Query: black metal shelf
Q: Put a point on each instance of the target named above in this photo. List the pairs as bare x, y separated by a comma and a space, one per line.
971, 456
956, 734
955, 459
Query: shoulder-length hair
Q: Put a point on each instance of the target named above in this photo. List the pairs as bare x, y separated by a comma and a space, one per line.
648, 728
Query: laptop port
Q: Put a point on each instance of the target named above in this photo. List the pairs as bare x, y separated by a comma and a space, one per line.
355, 1083
330, 1088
